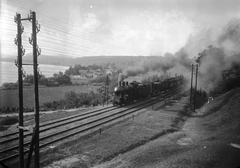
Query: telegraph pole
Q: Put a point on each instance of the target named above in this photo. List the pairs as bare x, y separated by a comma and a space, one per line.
107, 88
104, 94
191, 87
36, 53
195, 93
18, 63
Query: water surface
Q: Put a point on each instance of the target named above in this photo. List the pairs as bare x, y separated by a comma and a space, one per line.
9, 71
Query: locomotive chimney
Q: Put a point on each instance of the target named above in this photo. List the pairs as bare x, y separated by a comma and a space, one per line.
123, 83
119, 83
126, 83
120, 77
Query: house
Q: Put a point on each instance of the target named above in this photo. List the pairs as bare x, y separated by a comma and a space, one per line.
83, 72
78, 79
91, 73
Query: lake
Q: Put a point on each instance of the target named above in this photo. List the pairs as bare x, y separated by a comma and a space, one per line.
9, 72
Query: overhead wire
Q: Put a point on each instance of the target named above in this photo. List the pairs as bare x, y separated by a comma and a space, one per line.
98, 36
79, 38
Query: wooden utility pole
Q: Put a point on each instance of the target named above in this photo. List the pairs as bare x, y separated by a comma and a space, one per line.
36, 53
191, 87
21, 52
195, 93
104, 95
107, 88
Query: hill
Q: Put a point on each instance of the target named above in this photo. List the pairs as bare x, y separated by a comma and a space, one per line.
71, 61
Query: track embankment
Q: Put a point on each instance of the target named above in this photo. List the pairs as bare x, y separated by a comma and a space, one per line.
138, 130
209, 138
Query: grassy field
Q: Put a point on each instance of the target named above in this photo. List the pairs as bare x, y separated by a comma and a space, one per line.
9, 98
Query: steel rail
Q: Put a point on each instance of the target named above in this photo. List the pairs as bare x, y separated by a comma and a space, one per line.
57, 121
54, 121
144, 105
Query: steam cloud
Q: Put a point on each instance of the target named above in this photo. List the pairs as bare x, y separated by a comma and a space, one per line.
230, 37
217, 59
213, 63
162, 64
214, 60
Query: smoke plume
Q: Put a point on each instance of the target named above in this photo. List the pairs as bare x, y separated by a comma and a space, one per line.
229, 39
160, 64
214, 60
215, 56
213, 63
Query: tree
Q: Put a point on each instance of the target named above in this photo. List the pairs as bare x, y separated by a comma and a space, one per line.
71, 99
43, 80
9, 85
64, 80
28, 79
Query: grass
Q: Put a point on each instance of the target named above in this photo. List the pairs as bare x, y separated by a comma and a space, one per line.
9, 98
6, 122
116, 140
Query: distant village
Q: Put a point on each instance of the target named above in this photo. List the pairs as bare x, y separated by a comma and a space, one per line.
86, 75
83, 76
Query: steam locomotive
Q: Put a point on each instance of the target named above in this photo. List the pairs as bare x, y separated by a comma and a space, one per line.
127, 93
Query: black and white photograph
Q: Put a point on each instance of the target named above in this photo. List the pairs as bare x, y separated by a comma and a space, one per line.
119, 83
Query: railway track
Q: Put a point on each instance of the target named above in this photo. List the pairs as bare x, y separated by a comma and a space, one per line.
83, 123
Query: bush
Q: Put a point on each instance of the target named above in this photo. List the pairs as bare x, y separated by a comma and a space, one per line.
10, 85
74, 100
9, 121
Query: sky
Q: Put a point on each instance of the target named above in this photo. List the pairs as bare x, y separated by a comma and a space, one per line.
76, 28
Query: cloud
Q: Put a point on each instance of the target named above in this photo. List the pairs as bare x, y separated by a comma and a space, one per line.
91, 23
153, 34
123, 33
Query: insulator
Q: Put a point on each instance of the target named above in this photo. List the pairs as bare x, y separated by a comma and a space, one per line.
16, 63
15, 18
38, 51
16, 41
23, 73
37, 27
22, 29
23, 51
30, 40
30, 14
39, 73
29, 18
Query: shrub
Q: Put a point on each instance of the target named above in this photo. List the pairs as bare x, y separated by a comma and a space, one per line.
74, 100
